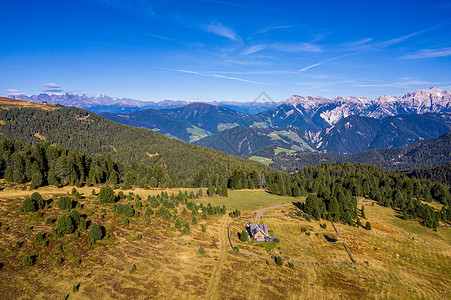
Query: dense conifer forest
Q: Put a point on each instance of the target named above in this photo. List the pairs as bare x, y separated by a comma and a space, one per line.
332, 189
78, 129
426, 153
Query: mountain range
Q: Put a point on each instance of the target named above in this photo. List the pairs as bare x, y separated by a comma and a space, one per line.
103, 103
338, 125
75, 128
425, 153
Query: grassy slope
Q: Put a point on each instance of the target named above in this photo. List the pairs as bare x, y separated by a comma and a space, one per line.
169, 266
260, 159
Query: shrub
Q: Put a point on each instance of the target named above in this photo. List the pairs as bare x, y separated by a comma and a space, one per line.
106, 195
96, 232
18, 245
33, 203
149, 212
125, 221
133, 269
195, 221
64, 203
49, 221
139, 236
202, 250
244, 236
37, 198
28, 261
59, 261
39, 238
186, 227
368, 226
75, 288
125, 209
83, 224
65, 225
178, 223
204, 229
28, 205
303, 229
75, 215
278, 260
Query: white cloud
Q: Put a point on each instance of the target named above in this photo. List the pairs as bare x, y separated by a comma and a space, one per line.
429, 53
218, 76
403, 83
221, 30
309, 67
408, 36
13, 92
51, 87
284, 47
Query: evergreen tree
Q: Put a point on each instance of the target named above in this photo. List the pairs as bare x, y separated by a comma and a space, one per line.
362, 212
244, 237
96, 232
65, 225
368, 226
106, 195
178, 223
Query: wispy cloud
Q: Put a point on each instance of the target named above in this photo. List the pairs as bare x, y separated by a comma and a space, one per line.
217, 76
358, 42
429, 53
309, 67
284, 47
400, 39
403, 83
274, 27
51, 87
13, 92
221, 30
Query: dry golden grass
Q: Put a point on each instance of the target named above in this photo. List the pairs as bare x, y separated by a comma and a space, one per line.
390, 264
7, 103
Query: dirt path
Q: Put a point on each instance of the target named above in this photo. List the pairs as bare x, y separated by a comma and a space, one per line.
262, 211
216, 276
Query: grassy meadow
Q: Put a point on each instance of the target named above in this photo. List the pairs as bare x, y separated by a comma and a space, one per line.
397, 259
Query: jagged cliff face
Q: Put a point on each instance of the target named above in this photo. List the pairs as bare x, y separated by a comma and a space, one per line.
322, 112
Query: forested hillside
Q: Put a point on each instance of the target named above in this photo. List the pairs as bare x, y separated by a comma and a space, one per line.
76, 128
334, 189
437, 173
429, 152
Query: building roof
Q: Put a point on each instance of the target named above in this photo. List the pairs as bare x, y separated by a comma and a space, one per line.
254, 228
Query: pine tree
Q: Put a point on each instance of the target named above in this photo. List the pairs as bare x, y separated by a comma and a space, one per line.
362, 212
178, 223
96, 232
65, 225
106, 195
244, 237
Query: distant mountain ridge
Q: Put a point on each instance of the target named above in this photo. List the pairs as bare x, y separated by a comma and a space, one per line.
425, 153
316, 113
351, 135
103, 103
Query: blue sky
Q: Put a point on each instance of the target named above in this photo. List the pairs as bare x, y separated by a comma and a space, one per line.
216, 50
